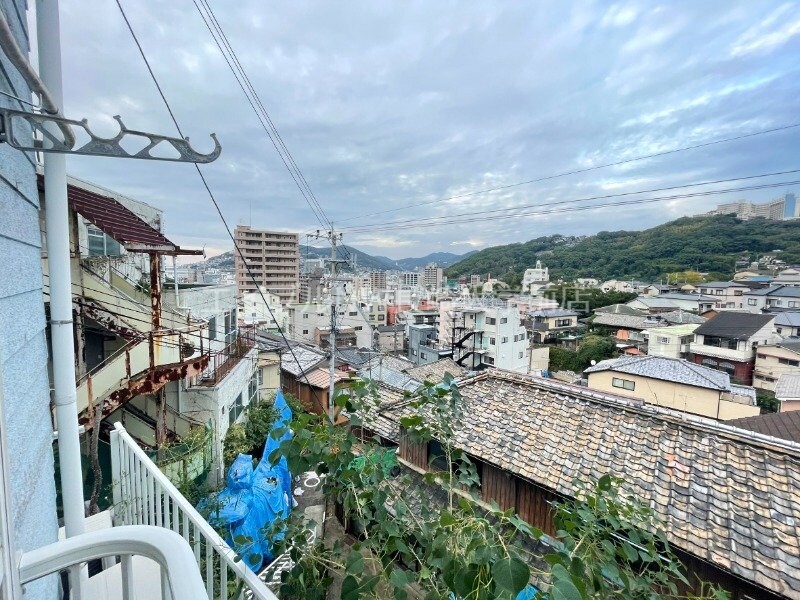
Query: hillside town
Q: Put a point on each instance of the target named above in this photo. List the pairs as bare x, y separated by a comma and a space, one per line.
283, 412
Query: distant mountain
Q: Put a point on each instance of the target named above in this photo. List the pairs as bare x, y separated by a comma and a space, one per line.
710, 244
356, 257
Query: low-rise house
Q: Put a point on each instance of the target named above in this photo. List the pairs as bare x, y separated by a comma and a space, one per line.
773, 299
675, 384
728, 294
790, 276
531, 439
658, 288
390, 338
787, 324
782, 425
774, 361
311, 322
787, 391
551, 324
673, 341
728, 342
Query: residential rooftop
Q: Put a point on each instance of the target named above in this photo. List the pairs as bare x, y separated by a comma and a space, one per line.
785, 425
734, 325
788, 386
674, 370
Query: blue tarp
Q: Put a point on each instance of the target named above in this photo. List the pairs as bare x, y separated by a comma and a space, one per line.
254, 499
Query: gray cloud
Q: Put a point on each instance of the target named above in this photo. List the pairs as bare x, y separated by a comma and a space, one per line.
385, 104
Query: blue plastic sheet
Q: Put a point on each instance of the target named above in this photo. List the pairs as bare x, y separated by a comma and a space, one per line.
254, 499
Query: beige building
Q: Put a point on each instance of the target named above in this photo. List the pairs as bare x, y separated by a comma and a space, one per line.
773, 361
671, 342
675, 384
273, 258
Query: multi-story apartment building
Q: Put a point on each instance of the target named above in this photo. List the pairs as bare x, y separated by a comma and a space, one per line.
432, 277
377, 280
670, 342
774, 210
484, 333
410, 278
273, 259
311, 322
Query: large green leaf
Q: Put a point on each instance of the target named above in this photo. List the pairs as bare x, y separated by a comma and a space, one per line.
511, 574
564, 589
350, 588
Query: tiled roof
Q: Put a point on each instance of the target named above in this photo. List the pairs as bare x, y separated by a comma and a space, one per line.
376, 421
321, 378
667, 369
681, 317
778, 291
788, 319
719, 284
730, 498
625, 321
655, 301
300, 360
553, 312
394, 362
355, 357
620, 309
683, 296
734, 325
390, 377
785, 425
435, 371
788, 386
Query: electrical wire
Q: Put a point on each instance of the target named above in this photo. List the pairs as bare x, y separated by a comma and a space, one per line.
584, 170
211, 195
446, 221
586, 199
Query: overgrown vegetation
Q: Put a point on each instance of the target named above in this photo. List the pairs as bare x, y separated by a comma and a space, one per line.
767, 401
609, 544
586, 300
592, 348
704, 243
249, 437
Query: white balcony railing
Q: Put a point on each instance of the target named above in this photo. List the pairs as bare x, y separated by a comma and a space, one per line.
179, 575
143, 495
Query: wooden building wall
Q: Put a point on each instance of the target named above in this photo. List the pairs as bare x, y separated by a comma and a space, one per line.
416, 454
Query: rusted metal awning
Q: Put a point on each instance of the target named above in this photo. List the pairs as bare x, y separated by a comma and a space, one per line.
119, 223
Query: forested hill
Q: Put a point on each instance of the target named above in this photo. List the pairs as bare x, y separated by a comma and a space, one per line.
705, 243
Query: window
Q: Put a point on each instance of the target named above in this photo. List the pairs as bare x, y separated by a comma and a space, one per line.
436, 456
521, 354
761, 356
305, 331
719, 292
790, 362
793, 304
488, 360
752, 302
625, 384
778, 329
353, 313
718, 342
492, 341
305, 315
663, 340
738, 292
100, 244
253, 387
504, 340
358, 327
504, 320
423, 356
235, 410
491, 321
212, 328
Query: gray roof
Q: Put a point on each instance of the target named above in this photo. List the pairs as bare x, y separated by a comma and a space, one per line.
390, 328
778, 291
682, 317
553, 312
790, 343
355, 357
788, 386
720, 284
734, 325
301, 359
660, 301
729, 496
667, 369
390, 377
639, 322
681, 296
788, 319
620, 309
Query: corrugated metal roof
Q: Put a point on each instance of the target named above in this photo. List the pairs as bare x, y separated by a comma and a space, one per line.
118, 222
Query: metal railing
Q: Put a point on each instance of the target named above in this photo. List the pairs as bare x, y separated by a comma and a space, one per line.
143, 495
222, 362
179, 575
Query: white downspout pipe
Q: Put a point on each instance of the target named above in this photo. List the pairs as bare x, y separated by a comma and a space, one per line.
61, 327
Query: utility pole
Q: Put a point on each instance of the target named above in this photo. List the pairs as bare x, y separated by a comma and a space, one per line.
333, 238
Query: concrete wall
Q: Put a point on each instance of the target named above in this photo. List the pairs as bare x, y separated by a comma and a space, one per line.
768, 367
685, 398
23, 346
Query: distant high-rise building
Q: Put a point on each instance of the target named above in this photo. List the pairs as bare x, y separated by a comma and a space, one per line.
377, 280
410, 278
273, 258
432, 277
789, 206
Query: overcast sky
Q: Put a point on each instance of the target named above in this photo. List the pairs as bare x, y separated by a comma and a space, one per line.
385, 104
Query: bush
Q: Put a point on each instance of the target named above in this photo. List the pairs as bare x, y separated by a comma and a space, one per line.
249, 437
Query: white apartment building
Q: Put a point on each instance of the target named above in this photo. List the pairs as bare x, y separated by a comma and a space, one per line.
484, 333
267, 315
670, 342
432, 277
534, 279
728, 294
305, 322
273, 259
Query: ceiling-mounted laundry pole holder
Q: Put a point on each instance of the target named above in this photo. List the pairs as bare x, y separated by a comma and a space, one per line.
51, 139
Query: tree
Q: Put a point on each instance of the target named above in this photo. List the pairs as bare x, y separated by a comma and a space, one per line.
609, 544
767, 401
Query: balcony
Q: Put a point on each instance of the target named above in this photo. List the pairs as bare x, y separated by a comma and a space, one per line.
223, 362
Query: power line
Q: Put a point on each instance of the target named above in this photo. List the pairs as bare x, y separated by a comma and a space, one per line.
393, 226
587, 199
584, 170
211, 194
